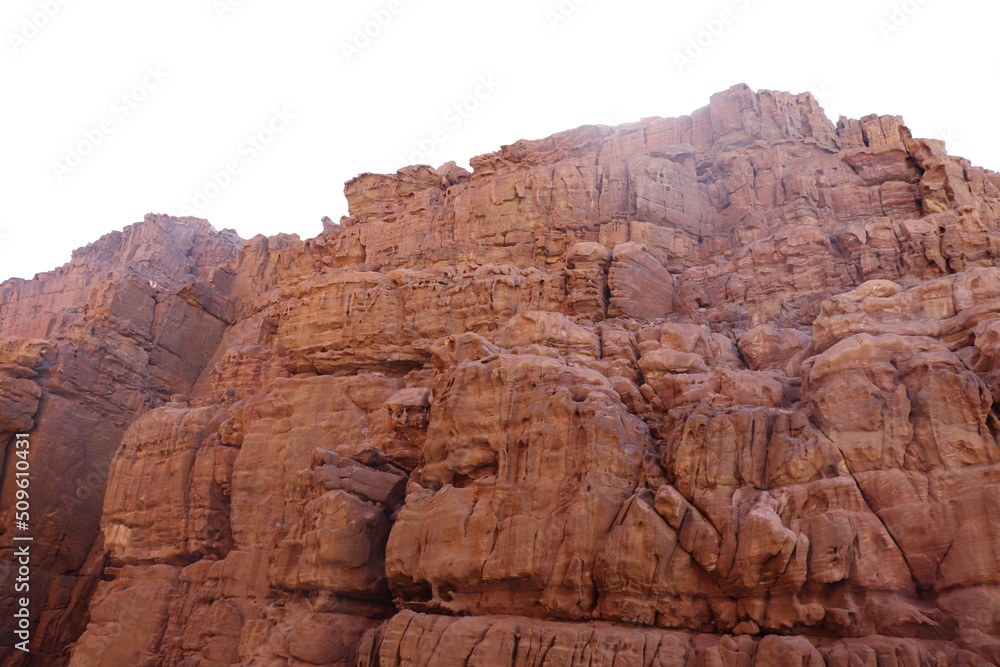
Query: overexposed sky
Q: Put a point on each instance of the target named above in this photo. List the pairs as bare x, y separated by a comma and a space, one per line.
253, 113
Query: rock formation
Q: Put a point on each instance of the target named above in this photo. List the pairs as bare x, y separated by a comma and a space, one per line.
700, 391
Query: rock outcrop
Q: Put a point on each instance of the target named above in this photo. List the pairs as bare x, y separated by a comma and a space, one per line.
84, 350
709, 390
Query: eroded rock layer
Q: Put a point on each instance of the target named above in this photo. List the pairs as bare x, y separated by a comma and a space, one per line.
711, 390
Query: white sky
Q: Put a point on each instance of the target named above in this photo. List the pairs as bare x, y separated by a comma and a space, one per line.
201, 76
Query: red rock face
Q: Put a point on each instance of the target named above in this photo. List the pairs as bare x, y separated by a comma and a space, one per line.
712, 390
85, 349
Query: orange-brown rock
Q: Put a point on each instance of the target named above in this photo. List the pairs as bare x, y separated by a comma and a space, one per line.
85, 349
710, 390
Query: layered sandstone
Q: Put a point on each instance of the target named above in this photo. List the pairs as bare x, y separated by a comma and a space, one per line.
85, 349
710, 390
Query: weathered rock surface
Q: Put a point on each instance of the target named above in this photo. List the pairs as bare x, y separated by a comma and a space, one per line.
85, 349
711, 390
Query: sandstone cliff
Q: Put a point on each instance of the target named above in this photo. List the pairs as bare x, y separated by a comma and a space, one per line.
710, 390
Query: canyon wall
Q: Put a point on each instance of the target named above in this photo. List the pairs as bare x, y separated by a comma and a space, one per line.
709, 390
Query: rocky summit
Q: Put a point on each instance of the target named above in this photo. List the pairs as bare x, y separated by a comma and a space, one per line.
716, 390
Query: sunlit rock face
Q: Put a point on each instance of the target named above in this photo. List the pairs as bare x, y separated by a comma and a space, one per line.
710, 390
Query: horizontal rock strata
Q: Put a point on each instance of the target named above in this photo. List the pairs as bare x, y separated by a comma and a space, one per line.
709, 390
